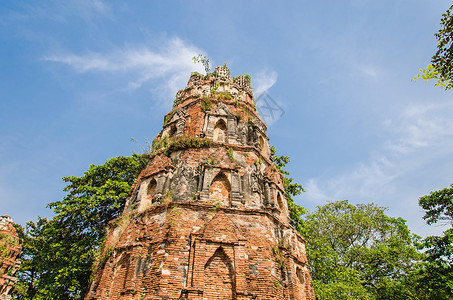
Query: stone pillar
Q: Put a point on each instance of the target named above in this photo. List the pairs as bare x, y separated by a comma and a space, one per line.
160, 184
236, 195
242, 268
231, 124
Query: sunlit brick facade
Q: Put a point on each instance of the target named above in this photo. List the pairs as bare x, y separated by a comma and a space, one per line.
207, 217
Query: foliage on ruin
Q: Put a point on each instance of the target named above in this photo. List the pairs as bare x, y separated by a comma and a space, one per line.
6, 241
206, 104
225, 96
200, 58
230, 154
167, 145
292, 189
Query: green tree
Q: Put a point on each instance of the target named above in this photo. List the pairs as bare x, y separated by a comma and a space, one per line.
441, 67
358, 252
435, 273
58, 254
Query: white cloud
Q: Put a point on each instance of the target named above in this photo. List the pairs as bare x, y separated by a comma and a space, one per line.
173, 63
413, 161
263, 81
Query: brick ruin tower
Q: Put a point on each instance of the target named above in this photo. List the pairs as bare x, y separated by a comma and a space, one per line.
208, 217
9, 254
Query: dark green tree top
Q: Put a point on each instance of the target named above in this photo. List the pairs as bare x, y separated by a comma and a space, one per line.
357, 251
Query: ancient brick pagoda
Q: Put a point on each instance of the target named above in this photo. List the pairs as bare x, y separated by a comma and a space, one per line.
207, 217
9, 256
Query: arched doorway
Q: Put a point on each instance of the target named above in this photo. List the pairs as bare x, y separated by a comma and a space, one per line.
219, 277
151, 189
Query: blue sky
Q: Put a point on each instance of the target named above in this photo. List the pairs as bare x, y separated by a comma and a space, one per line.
79, 79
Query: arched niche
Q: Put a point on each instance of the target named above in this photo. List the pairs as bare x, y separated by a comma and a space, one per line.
300, 275
151, 188
219, 277
220, 190
280, 201
220, 132
263, 146
172, 131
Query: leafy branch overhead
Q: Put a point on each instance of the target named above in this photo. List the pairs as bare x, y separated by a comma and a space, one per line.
441, 67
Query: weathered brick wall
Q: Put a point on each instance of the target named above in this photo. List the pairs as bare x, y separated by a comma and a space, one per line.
206, 221
9, 256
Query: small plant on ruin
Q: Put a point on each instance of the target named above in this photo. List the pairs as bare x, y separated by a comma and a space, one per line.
226, 96
156, 148
214, 74
217, 204
230, 154
146, 150
6, 241
168, 118
178, 99
184, 142
210, 162
204, 61
167, 198
248, 79
214, 88
256, 163
225, 66
206, 104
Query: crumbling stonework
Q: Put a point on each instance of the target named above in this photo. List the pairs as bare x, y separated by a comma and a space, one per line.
9, 254
208, 216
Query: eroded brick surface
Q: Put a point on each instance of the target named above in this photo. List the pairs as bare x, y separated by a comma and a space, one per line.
206, 222
9, 256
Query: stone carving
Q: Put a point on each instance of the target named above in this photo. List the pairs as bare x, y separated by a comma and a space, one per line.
183, 183
223, 110
223, 72
243, 133
196, 79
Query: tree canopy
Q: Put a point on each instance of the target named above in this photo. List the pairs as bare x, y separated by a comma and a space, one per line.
358, 252
58, 254
435, 274
441, 67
